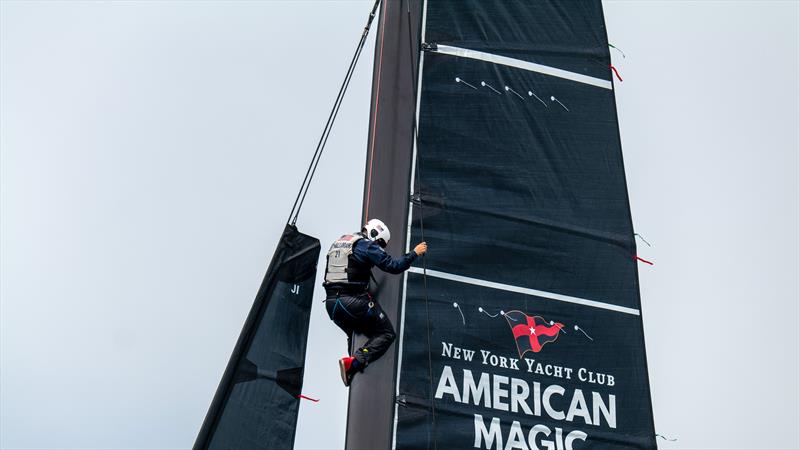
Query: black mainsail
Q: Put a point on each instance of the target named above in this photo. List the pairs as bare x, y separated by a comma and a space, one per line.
494, 137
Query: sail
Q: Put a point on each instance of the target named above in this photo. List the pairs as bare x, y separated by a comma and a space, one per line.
522, 326
256, 404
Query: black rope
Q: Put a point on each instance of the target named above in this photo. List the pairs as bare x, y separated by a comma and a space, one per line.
323, 139
427, 309
418, 192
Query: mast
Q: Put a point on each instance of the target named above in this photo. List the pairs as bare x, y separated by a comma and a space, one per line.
388, 169
522, 325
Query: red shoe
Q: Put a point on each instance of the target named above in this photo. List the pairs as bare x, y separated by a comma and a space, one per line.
345, 368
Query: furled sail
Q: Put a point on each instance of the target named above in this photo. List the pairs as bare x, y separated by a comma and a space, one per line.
522, 327
256, 404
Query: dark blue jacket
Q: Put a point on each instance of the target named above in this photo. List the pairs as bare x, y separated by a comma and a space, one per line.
369, 254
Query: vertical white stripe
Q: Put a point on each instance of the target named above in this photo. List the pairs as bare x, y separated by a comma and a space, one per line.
408, 229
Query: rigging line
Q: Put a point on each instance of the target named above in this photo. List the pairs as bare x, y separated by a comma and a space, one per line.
328, 124
614, 69
331, 118
642, 238
427, 309
325, 141
301, 194
418, 191
374, 114
617, 49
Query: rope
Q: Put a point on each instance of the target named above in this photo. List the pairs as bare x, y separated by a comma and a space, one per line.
642, 238
427, 309
614, 69
418, 192
312, 167
617, 49
606, 65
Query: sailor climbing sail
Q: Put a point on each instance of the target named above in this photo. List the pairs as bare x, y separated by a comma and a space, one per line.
349, 304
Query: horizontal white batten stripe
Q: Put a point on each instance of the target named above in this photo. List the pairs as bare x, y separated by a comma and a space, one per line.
526, 291
520, 64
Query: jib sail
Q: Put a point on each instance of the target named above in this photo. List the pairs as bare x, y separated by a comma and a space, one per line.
256, 404
522, 327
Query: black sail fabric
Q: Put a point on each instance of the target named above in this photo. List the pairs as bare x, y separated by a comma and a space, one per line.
256, 404
522, 327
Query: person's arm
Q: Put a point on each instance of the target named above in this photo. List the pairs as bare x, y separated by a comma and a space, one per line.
386, 263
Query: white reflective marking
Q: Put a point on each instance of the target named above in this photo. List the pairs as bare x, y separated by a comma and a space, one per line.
459, 80
480, 309
463, 320
552, 98
520, 64
577, 328
485, 84
531, 93
526, 291
508, 89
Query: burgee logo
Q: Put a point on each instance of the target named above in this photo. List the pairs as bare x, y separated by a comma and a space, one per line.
531, 332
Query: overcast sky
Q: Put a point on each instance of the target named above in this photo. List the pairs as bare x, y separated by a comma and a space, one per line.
149, 153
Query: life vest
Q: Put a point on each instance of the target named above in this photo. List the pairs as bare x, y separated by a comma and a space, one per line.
342, 271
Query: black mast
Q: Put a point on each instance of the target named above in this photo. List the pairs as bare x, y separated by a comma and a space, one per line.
388, 170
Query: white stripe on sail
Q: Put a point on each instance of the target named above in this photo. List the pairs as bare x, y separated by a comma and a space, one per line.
520, 64
526, 291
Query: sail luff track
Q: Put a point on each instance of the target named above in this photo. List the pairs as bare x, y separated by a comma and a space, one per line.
412, 191
371, 411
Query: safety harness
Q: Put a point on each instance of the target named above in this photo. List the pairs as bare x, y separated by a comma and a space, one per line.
342, 271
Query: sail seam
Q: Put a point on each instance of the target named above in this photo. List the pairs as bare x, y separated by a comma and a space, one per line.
520, 64
526, 291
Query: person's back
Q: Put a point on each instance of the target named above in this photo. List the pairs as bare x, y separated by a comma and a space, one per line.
349, 304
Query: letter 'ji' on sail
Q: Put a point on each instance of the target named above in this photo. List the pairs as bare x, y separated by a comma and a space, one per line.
256, 403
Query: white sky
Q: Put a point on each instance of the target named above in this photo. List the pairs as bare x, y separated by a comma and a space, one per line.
149, 153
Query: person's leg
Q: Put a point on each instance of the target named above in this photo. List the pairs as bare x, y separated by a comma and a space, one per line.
348, 312
350, 343
341, 317
380, 333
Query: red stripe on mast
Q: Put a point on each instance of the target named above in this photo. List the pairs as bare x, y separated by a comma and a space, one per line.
375, 117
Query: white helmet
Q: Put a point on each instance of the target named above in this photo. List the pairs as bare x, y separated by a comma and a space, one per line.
377, 231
